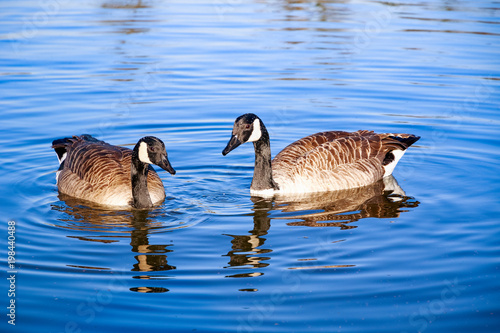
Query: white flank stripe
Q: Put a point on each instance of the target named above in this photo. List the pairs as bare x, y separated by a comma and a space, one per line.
63, 157
389, 168
262, 193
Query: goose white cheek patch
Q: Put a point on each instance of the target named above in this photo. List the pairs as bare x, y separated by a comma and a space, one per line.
143, 153
256, 133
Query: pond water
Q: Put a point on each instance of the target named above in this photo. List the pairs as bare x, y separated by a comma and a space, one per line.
211, 258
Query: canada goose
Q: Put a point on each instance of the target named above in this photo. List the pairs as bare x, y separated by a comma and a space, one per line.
96, 171
325, 161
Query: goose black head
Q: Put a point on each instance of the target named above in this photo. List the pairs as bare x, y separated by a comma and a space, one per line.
151, 150
247, 128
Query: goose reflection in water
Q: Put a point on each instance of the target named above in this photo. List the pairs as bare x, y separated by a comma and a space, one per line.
242, 245
109, 226
383, 199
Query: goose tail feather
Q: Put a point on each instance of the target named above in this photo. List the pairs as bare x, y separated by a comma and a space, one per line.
60, 146
406, 139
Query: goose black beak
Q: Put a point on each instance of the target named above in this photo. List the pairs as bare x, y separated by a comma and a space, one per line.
232, 144
165, 165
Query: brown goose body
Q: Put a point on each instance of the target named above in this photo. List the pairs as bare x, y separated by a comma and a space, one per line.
337, 160
325, 161
96, 171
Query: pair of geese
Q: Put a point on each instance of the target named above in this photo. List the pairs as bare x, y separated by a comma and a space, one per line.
95, 171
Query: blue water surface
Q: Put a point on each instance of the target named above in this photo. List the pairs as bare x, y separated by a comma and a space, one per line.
211, 258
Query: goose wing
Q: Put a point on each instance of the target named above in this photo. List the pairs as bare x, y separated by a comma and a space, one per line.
304, 145
93, 170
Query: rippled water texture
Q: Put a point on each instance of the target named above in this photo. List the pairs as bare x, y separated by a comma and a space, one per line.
424, 258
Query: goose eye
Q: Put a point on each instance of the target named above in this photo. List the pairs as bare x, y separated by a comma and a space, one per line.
247, 126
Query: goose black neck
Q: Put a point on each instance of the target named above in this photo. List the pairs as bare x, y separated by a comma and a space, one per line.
139, 175
263, 172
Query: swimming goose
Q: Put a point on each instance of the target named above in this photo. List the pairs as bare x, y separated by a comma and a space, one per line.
96, 171
325, 161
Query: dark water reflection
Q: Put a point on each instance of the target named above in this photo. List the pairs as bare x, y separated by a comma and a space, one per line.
384, 199
126, 4
250, 250
111, 226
